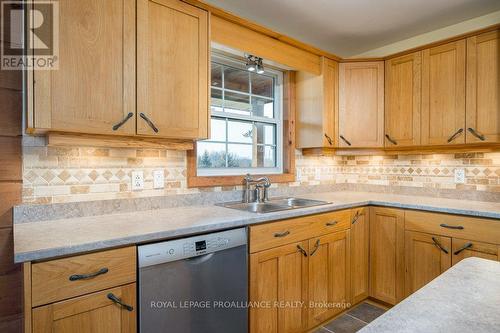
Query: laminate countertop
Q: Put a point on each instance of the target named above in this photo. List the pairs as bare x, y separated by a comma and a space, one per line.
41, 240
465, 298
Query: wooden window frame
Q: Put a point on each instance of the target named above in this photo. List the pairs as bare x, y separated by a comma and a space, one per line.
288, 175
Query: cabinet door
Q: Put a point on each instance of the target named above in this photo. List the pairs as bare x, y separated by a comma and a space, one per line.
361, 104
94, 87
279, 275
360, 243
462, 248
387, 254
483, 91
426, 257
329, 276
443, 94
91, 313
172, 69
402, 104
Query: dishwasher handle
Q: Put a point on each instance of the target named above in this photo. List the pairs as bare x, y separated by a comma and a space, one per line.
200, 259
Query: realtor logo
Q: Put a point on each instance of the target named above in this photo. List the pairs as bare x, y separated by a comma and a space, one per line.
31, 34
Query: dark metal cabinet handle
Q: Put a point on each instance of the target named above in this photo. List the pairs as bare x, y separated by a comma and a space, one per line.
77, 277
330, 142
301, 250
119, 302
120, 124
316, 247
391, 140
331, 224
455, 135
149, 122
355, 218
439, 245
476, 134
345, 140
458, 227
465, 247
282, 234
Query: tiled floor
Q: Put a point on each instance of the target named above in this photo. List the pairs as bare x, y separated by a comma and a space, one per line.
354, 320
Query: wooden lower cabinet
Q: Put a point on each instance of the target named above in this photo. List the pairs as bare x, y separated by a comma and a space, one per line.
329, 276
462, 248
277, 276
387, 254
360, 250
426, 257
90, 313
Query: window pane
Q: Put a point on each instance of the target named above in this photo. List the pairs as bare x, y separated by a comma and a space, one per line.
239, 156
216, 78
236, 79
211, 155
237, 103
262, 107
262, 85
266, 157
216, 100
265, 133
239, 131
218, 129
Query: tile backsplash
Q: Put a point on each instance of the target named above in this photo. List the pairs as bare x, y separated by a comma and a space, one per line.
69, 174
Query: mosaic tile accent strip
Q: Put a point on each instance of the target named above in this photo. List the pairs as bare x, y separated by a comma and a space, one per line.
53, 175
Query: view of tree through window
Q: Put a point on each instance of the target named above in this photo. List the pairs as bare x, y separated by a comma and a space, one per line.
245, 119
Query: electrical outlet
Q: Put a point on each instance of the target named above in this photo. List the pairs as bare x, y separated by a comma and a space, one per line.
158, 179
137, 180
459, 176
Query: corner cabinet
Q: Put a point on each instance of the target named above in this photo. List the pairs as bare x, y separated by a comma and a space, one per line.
172, 70
111, 83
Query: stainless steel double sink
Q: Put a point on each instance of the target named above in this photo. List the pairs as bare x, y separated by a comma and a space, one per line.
274, 205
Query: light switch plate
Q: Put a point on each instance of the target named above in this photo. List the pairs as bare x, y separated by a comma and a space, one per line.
137, 180
158, 179
459, 176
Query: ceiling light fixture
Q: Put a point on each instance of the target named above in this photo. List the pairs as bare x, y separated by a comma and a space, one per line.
254, 64
260, 66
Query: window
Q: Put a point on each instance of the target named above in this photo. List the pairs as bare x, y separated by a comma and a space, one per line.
246, 121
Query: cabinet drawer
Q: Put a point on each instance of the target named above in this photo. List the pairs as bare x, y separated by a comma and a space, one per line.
478, 229
69, 277
274, 234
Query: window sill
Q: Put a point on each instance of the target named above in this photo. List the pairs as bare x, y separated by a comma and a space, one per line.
211, 181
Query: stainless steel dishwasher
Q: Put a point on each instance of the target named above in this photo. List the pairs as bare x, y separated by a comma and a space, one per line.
195, 284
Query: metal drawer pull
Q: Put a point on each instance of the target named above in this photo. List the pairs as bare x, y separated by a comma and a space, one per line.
345, 140
282, 234
476, 134
149, 122
316, 247
439, 245
458, 227
391, 140
301, 250
330, 142
355, 218
331, 224
465, 247
77, 277
454, 136
119, 302
117, 126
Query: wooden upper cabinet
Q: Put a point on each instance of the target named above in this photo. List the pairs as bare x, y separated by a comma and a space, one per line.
94, 87
90, 313
387, 254
329, 275
483, 90
361, 104
360, 249
443, 94
426, 257
172, 69
402, 100
279, 275
316, 103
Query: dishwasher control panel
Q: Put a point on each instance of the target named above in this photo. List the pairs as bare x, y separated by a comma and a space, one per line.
157, 253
